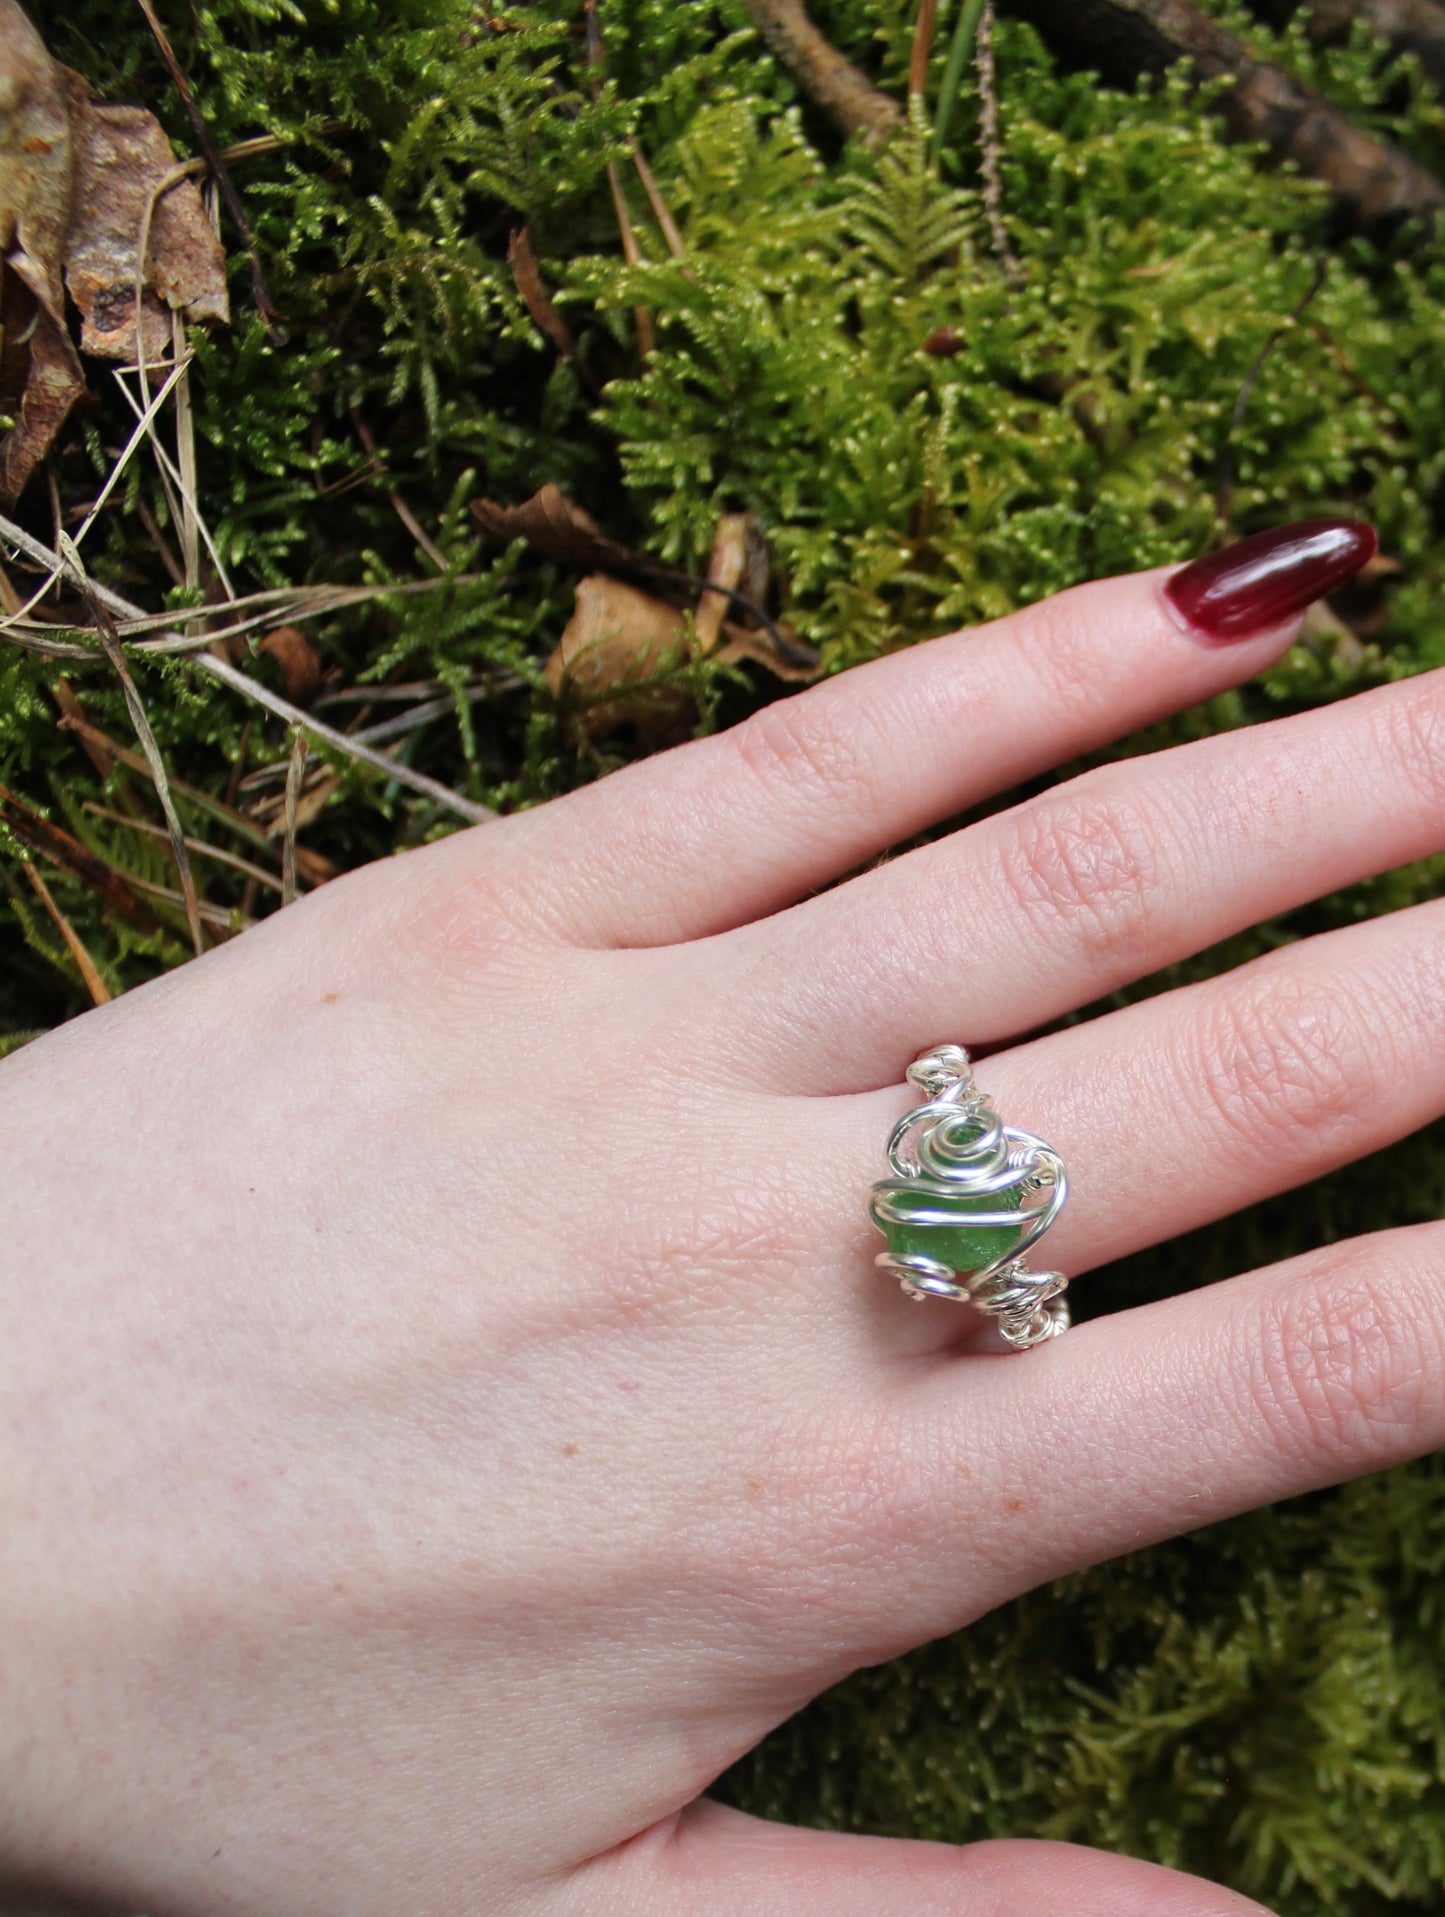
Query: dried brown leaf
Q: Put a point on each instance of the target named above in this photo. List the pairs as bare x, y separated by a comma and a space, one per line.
36, 158
80, 183
298, 659
527, 277
616, 641
39, 383
725, 569
753, 643
557, 527
739, 564
565, 531
40, 376
123, 161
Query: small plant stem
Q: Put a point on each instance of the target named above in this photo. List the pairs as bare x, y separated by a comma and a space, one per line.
922, 47
94, 983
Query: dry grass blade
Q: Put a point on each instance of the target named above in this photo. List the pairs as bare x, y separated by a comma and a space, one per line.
343, 742
228, 674
110, 640
216, 916
632, 253
94, 983
112, 478
181, 494
201, 847
295, 773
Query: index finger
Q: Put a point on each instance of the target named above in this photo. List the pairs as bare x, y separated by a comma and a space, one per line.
715, 834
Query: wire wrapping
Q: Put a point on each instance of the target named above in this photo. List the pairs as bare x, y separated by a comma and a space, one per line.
954, 1147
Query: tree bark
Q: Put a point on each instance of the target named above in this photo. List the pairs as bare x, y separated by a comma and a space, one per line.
1375, 186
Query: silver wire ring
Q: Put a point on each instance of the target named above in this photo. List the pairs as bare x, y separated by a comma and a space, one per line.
968, 1197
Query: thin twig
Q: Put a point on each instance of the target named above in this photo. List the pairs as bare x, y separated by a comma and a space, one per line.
1376, 186
94, 983
989, 147
1224, 487
295, 772
847, 96
265, 306
398, 505
42, 835
661, 212
110, 640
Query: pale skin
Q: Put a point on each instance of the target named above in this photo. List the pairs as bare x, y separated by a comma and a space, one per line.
448, 1410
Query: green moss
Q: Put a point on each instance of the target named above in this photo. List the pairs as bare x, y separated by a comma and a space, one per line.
1263, 1702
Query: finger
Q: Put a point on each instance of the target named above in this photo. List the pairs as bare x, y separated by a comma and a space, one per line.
724, 830
1189, 1106
1171, 1416
1039, 910
716, 1862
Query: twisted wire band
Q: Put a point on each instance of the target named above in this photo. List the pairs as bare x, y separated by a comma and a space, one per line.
953, 1147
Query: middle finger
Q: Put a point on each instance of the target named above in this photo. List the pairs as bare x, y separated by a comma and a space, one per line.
1036, 911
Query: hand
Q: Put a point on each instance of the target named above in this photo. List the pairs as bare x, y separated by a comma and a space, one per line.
450, 1411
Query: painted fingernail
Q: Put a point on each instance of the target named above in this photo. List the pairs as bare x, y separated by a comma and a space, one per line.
1260, 581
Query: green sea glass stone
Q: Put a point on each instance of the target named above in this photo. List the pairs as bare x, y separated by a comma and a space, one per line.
964, 1246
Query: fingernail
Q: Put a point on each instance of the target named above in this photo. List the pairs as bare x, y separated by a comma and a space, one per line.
1260, 581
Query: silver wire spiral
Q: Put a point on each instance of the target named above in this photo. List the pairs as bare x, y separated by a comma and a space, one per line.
953, 1146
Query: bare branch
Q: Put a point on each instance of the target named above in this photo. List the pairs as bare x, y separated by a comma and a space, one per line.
1406, 26
1375, 186
847, 96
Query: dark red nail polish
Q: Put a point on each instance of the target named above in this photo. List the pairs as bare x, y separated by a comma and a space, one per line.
1260, 581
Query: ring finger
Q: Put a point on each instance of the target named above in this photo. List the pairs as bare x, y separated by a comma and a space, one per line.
1179, 1110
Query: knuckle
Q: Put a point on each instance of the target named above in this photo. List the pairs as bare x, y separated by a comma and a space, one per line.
1088, 869
1339, 1372
1288, 1066
1059, 638
800, 741
1410, 734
